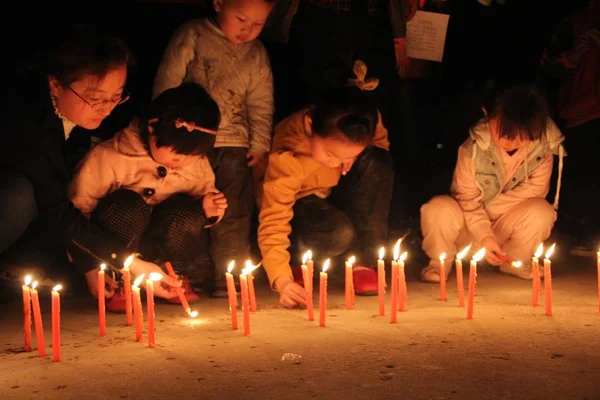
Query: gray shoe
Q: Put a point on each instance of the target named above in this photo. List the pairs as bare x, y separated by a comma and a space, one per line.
431, 273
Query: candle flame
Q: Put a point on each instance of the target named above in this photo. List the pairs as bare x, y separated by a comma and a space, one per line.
27, 280
381, 253
249, 268
442, 257
539, 251
463, 253
479, 255
102, 267
34, 284
517, 264
56, 288
138, 280
307, 256
352, 260
155, 276
326, 265
550, 251
397, 249
193, 314
403, 256
231, 265
128, 261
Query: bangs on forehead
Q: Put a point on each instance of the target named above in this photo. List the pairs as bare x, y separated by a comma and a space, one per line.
531, 129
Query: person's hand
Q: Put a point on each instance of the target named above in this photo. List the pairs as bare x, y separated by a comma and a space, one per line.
253, 158
165, 288
493, 252
214, 204
346, 165
109, 284
290, 293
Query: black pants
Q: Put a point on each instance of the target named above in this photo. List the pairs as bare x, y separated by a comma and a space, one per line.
324, 46
171, 231
230, 238
355, 214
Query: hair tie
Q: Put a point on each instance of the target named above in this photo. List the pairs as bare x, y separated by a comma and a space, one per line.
190, 126
361, 82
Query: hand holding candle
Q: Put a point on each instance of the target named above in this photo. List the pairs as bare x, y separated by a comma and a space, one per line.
180, 292
27, 313
443, 277
307, 273
460, 286
153, 277
473, 281
127, 287
37, 317
548, 279
101, 300
56, 323
323, 293
381, 282
138, 312
349, 284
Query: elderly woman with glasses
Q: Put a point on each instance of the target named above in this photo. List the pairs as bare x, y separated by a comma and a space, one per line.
85, 78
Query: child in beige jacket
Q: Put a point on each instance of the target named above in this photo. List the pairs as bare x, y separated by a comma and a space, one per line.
151, 185
500, 182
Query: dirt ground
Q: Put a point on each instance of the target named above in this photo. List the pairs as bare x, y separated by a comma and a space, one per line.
508, 351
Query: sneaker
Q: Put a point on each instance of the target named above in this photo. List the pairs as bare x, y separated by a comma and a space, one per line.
116, 304
431, 273
188, 291
524, 272
365, 280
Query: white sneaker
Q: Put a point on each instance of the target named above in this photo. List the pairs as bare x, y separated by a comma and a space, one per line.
525, 272
431, 273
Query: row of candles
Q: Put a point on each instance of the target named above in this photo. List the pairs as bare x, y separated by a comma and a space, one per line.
398, 298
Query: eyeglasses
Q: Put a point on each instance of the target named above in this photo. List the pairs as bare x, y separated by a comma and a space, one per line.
104, 104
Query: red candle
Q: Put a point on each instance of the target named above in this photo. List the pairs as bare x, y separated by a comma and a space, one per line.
127, 285
323, 293
395, 281
251, 293
232, 295
27, 313
473, 281
308, 284
443, 277
381, 282
56, 323
402, 295
138, 312
180, 291
349, 284
536, 284
153, 277
548, 280
101, 300
37, 318
245, 302
460, 286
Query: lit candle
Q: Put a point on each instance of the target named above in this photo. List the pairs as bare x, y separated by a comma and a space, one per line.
127, 285
349, 283
181, 292
56, 323
101, 300
323, 293
443, 277
27, 313
138, 312
152, 277
473, 281
232, 295
307, 275
536, 284
402, 293
460, 286
37, 318
251, 293
381, 282
245, 301
548, 279
395, 281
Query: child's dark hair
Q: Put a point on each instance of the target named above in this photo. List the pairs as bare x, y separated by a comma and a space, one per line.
522, 111
188, 103
86, 50
347, 110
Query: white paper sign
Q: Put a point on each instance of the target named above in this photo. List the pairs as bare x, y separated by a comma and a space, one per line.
426, 36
